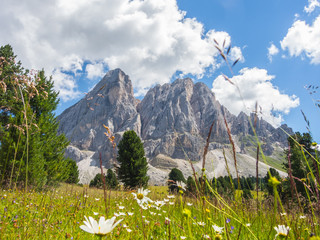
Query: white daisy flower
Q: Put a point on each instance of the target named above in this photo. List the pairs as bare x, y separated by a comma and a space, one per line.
217, 229
159, 204
315, 146
181, 185
102, 228
141, 196
144, 207
282, 230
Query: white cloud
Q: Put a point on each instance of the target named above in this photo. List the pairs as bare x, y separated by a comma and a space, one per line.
312, 5
66, 86
235, 54
150, 40
95, 70
255, 86
272, 51
303, 39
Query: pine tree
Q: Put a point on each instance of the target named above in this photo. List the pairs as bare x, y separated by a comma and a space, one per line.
31, 151
133, 164
298, 157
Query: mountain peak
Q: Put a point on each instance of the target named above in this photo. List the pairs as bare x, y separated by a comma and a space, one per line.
172, 119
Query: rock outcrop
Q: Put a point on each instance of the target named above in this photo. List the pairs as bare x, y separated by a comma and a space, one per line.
111, 102
173, 120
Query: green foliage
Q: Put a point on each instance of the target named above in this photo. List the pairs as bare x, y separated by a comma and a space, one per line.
174, 176
111, 180
191, 186
300, 144
73, 172
31, 151
269, 187
246, 193
132, 171
96, 181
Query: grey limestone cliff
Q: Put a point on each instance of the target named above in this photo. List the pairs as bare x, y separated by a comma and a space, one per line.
173, 121
111, 103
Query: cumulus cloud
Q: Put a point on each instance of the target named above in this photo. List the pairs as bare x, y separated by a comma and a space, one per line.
150, 40
95, 70
272, 51
303, 39
255, 86
312, 5
66, 85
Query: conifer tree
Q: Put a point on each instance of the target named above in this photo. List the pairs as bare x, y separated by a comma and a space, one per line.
31, 151
133, 168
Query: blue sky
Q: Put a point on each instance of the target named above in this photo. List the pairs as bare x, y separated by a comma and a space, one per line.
156, 41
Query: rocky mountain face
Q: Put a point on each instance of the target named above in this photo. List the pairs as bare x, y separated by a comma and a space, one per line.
173, 120
111, 103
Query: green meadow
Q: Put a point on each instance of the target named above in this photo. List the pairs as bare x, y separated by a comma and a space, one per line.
58, 213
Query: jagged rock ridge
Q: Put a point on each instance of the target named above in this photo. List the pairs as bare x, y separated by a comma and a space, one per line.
173, 120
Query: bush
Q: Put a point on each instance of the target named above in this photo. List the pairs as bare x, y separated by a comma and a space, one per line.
111, 180
174, 176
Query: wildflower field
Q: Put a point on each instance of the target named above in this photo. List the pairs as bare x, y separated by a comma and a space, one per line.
32, 160
71, 212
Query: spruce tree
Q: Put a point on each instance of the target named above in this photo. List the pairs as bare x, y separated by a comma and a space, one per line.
31, 151
132, 171
298, 157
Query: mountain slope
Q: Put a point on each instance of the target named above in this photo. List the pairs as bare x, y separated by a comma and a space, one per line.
173, 120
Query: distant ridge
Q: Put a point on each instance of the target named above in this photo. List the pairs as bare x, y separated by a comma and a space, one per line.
173, 120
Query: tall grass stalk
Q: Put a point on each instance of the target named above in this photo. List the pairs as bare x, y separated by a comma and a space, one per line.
103, 179
27, 137
233, 151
